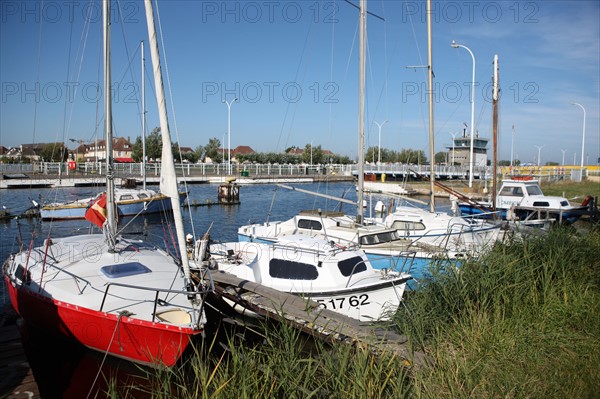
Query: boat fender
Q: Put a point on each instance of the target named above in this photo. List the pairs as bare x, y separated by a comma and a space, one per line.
586, 200
510, 213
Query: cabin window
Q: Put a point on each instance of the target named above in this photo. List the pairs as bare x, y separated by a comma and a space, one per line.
506, 191
142, 196
564, 203
352, 266
534, 190
540, 203
517, 192
379, 238
309, 224
126, 197
287, 269
407, 225
124, 270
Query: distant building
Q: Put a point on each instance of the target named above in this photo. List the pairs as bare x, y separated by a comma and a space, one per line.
461, 148
239, 150
121, 151
33, 152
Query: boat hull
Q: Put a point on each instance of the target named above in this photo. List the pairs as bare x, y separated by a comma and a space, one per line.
125, 208
120, 336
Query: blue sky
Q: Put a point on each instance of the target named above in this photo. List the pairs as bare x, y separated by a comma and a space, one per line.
294, 67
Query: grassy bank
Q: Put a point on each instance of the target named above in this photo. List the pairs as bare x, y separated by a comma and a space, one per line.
522, 322
572, 189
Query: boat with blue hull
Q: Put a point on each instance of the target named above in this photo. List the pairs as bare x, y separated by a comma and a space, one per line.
129, 202
522, 199
384, 247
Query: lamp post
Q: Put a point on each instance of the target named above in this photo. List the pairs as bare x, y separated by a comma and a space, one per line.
512, 145
539, 147
379, 146
456, 45
582, 140
453, 138
229, 133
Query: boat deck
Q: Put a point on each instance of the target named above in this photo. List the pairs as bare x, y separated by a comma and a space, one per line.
310, 318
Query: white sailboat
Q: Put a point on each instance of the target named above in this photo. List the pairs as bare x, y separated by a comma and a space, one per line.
384, 247
428, 226
118, 296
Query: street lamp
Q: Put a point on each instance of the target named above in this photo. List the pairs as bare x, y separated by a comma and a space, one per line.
229, 133
379, 147
453, 139
456, 45
539, 147
582, 140
512, 145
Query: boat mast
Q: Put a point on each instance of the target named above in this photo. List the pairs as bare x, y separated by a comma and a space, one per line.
111, 222
430, 93
143, 117
361, 109
168, 179
495, 130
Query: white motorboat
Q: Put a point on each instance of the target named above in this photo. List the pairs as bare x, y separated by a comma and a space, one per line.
338, 278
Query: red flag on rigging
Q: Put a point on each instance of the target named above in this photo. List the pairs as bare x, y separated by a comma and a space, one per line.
96, 212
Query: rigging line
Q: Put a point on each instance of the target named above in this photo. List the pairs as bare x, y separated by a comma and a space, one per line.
80, 50
37, 72
385, 64
368, 12
162, 43
68, 75
295, 104
331, 119
412, 26
287, 109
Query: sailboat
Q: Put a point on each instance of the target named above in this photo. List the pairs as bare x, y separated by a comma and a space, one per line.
384, 247
118, 296
129, 201
439, 229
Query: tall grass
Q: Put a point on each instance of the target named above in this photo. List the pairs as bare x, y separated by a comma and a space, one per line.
522, 322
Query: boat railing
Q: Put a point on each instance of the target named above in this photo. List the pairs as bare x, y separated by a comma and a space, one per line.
362, 261
75, 277
333, 249
157, 292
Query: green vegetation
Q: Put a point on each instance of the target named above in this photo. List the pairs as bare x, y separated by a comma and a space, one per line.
521, 322
572, 189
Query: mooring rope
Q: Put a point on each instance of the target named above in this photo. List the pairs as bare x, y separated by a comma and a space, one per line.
121, 314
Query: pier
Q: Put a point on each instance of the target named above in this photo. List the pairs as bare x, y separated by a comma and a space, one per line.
308, 317
16, 376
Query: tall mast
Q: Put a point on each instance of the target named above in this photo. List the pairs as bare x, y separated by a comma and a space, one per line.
168, 179
361, 109
143, 117
495, 93
430, 93
111, 221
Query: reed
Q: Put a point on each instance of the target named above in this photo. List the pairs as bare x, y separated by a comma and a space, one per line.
521, 322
